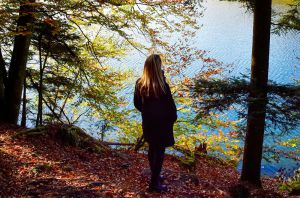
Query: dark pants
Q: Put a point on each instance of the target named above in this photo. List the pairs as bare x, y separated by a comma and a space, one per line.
156, 157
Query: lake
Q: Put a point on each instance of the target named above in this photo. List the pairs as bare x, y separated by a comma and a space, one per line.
227, 35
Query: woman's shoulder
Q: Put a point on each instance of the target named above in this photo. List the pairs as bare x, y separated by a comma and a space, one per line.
137, 82
167, 85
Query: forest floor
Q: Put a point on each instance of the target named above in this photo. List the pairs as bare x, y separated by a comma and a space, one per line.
40, 166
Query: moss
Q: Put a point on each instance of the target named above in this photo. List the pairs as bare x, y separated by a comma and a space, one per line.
41, 168
69, 135
188, 163
283, 1
98, 149
31, 132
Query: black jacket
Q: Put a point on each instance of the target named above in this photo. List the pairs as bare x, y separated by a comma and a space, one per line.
158, 115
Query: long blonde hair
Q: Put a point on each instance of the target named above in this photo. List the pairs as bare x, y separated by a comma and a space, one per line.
152, 80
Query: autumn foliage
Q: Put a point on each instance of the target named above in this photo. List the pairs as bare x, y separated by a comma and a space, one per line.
41, 165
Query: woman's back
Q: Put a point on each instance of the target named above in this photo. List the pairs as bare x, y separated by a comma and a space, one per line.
156, 108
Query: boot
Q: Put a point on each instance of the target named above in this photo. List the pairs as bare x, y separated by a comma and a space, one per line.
156, 185
161, 179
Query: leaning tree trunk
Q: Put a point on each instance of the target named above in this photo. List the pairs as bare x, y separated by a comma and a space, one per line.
258, 93
39, 118
16, 74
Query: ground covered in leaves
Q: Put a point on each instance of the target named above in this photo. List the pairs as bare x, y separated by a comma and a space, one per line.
40, 166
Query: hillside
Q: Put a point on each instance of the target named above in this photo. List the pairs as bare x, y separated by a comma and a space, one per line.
41, 164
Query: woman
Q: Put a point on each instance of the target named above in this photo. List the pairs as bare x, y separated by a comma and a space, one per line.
154, 100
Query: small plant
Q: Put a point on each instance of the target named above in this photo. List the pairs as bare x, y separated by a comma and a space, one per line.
188, 163
41, 168
293, 183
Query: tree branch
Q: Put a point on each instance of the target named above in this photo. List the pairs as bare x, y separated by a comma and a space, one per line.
46, 103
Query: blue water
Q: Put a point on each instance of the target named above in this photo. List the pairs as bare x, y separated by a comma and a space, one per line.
227, 35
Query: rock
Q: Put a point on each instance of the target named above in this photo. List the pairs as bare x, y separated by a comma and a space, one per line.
125, 165
122, 155
45, 181
146, 172
68, 168
96, 183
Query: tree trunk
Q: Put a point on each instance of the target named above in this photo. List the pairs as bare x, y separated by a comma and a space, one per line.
3, 78
40, 101
16, 74
24, 109
1, 97
39, 116
258, 93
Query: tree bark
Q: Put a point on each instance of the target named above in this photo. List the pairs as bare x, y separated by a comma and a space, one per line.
1, 98
3, 78
258, 93
39, 119
16, 74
